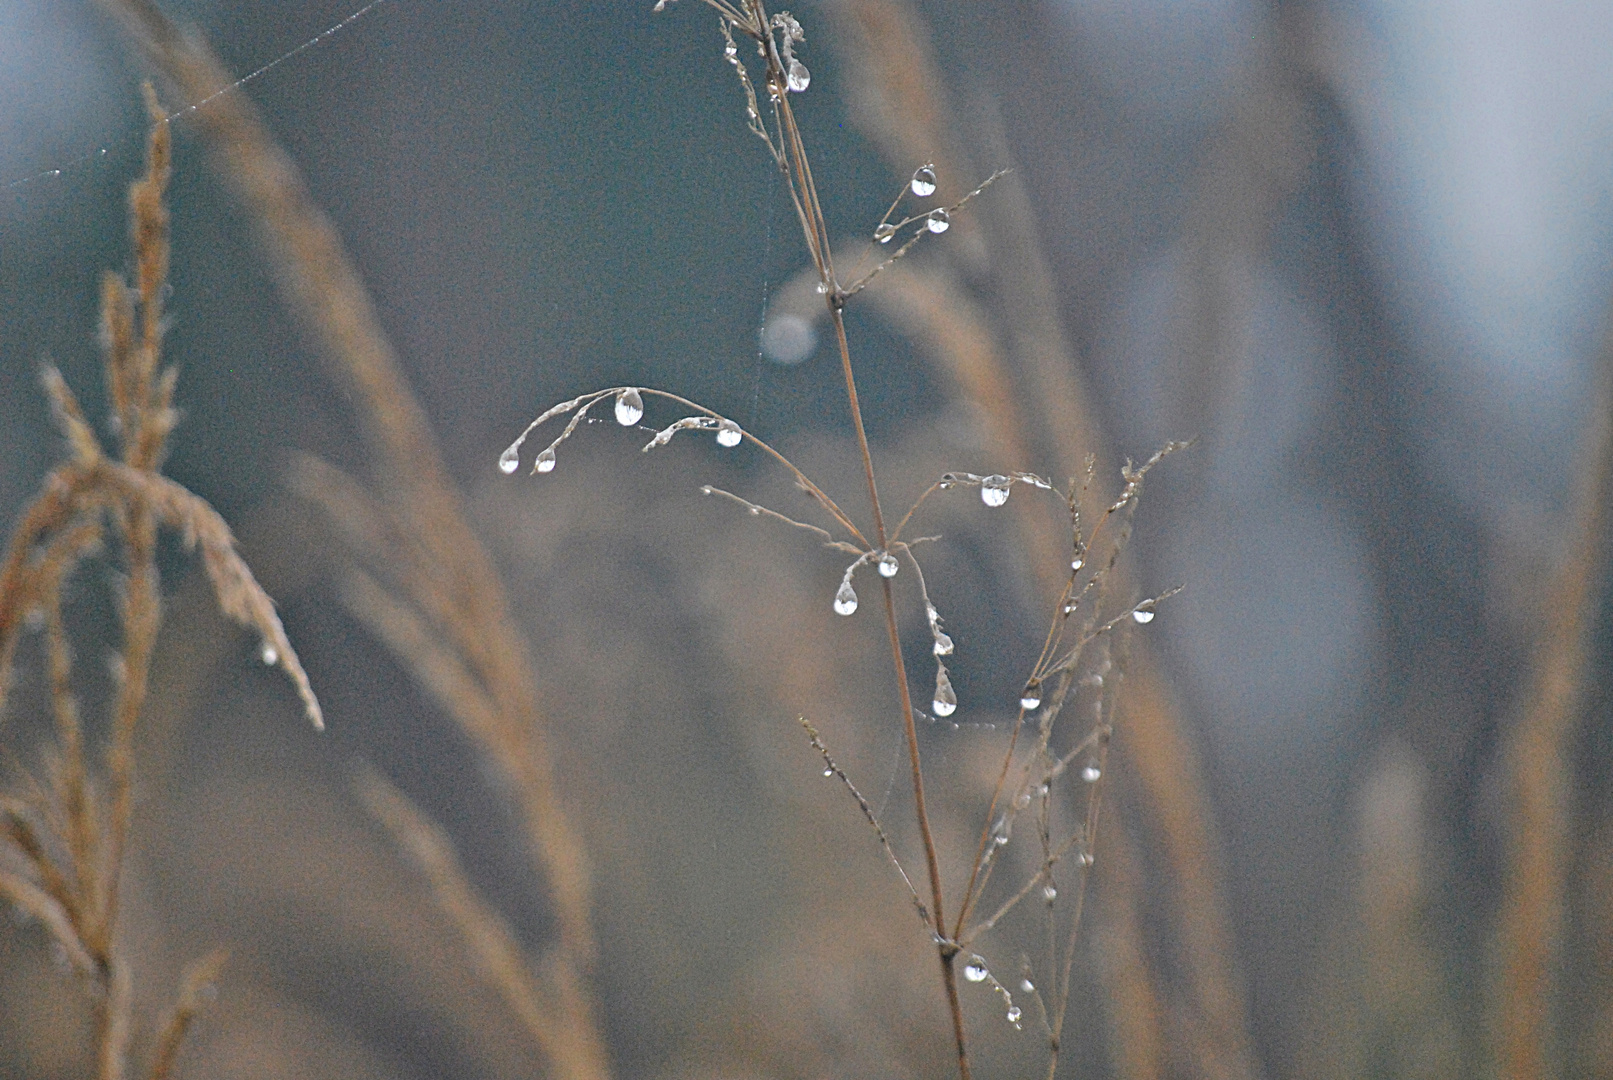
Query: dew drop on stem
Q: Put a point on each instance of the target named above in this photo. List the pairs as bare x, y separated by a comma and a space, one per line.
884, 232
943, 644
1014, 1014
923, 184
1143, 616
546, 460
510, 460
629, 407
798, 78
975, 970
1091, 773
845, 599
994, 490
1031, 698
939, 221
1076, 564
946, 701
888, 565
269, 654
1050, 892
728, 433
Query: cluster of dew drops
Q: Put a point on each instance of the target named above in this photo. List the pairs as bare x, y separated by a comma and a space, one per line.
629, 411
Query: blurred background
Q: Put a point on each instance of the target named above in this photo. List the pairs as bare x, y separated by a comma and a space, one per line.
1360, 250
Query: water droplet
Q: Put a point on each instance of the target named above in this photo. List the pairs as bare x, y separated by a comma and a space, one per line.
798, 78
1142, 616
1076, 564
1084, 858
924, 183
1031, 698
1050, 892
943, 644
1044, 789
947, 481
939, 221
845, 599
884, 233
546, 460
1070, 607
629, 407
888, 565
994, 490
731, 51
975, 970
269, 654
828, 771
728, 433
946, 702
1027, 986
1014, 1015
1091, 772
510, 460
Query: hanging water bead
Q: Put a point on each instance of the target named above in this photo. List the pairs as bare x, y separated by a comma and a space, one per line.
798, 78
1143, 616
1014, 1014
510, 460
884, 232
946, 702
1026, 985
939, 221
943, 643
888, 565
975, 970
994, 490
1032, 697
1050, 892
827, 771
924, 182
845, 599
1077, 563
545, 461
269, 654
728, 433
1091, 773
629, 407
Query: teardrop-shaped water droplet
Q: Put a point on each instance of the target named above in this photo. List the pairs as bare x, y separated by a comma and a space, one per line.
924, 182
629, 407
730, 50
845, 599
546, 459
269, 654
1050, 892
943, 644
1027, 986
994, 490
798, 78
828, 771
946, 702
1091, 772
728, 433
884, 233
1031, 698
888, 565
975, 970
1076, 564
939, 221
1070, 607
1143, 616
1014, 1014
1084, 858
510, 460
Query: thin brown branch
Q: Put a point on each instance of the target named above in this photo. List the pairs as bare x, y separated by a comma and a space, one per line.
193, 989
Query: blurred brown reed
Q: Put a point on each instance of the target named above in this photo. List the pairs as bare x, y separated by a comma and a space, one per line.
439, 572
1035, 401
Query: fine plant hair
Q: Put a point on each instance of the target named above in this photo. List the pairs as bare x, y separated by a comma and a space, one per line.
65, 836
1081, 660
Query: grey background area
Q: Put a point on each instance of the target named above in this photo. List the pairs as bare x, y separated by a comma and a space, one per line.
1359, 249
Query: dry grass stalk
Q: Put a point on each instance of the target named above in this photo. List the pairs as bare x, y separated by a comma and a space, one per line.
1078, 655
434, 567
65, 845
